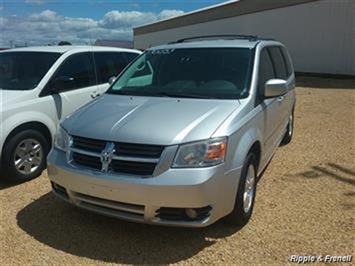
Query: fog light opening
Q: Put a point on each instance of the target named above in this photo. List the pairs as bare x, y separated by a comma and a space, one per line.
191, 213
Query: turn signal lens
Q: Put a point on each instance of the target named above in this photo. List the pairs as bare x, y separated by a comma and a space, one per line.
215, 151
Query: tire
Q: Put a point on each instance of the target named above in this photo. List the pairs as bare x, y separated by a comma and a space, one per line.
242, 211
289, 131
29, 149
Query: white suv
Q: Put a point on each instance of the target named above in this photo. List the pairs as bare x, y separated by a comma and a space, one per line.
39, 86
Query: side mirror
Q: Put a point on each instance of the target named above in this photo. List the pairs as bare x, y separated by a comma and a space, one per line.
275, 87
62, 83
111, 80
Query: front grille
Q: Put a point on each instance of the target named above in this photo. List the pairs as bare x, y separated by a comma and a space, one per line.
130, 158
136, 168
88, 144
87, 160
139, 150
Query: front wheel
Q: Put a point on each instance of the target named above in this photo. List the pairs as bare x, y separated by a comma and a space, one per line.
24, 155
244, 201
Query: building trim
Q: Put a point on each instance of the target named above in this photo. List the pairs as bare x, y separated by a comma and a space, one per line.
227, 10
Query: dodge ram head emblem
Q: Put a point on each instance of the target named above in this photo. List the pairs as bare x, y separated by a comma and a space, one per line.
106, 156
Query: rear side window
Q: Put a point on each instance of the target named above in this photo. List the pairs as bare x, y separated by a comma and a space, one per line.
78, 69
17, 71
278, 62
130, 56
108, 64
287, 61
266, 72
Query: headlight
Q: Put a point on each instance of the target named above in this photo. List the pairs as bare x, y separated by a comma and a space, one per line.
61, 140
201, 154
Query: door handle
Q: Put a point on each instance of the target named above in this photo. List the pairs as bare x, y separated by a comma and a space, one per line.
95, 95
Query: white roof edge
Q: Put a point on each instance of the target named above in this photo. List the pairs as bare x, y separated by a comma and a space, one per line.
64, 49
189, 13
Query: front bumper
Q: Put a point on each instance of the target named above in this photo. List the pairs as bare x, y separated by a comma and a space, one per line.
142, 199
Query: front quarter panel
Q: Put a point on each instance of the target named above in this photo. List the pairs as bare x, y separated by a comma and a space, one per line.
11, 122
241, 141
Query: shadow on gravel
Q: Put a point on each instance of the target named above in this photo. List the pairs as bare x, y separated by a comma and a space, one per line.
325, 83
6, 183
332, 170
86, 234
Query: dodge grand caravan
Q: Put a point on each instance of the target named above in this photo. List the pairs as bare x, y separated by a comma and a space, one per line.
39, 86
182, 135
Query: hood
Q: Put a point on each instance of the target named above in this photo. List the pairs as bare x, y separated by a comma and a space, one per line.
7, 96
149, 120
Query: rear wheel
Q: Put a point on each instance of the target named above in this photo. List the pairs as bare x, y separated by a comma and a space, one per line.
244, 201
24, 155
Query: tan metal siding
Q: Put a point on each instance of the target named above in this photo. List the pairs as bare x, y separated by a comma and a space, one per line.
320, 35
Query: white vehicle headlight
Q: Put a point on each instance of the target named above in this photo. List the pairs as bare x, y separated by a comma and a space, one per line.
61, 140
201, 154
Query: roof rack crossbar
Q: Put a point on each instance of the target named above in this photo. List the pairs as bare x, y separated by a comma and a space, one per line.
221, 36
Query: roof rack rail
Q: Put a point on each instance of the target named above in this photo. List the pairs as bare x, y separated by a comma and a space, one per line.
221, 36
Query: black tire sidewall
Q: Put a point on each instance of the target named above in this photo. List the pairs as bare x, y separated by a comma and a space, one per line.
8, 166
288, 137
238, 216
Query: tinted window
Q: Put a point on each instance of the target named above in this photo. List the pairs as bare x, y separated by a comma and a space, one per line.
287, 61
266, 72
130, 56
24, 70
77, 72
188, 72
278, 61
108, 64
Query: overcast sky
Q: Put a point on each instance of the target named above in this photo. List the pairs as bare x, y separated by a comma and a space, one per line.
39, 22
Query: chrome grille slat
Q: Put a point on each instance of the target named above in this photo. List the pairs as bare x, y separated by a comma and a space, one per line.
90, 153
116, 157
88, 144
131, 158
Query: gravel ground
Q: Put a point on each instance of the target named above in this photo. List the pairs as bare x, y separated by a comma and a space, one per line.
304, 205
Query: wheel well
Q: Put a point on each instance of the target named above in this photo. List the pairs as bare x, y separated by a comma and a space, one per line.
256, 149
32, 125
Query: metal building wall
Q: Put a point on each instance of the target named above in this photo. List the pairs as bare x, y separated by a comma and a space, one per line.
320, 35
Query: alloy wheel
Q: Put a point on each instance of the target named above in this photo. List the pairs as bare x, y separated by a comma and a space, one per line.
249, 189
28, 156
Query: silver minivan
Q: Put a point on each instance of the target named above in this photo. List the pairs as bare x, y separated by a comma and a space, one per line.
182, 135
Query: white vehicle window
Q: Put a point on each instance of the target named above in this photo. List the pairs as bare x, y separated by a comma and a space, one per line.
24, 70
108, 64
76, 72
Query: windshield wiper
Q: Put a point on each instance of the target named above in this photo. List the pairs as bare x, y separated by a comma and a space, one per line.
160, 93
127, 92
184, 95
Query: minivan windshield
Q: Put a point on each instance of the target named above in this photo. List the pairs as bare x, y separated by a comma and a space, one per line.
24, 70
212, 73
